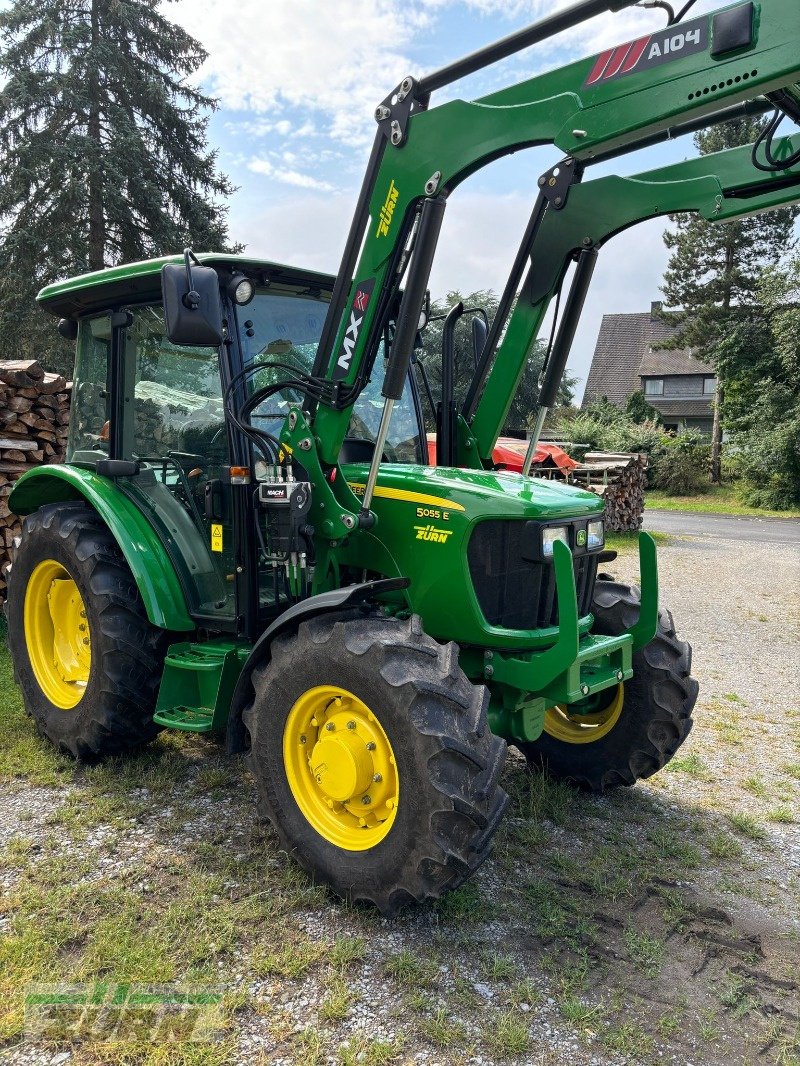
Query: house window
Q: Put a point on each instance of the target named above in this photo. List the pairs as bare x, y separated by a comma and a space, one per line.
654, 387
709, 386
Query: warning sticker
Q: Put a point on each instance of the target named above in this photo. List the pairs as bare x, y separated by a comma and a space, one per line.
216, 538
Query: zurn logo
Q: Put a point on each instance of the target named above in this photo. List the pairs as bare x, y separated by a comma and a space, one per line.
357, 311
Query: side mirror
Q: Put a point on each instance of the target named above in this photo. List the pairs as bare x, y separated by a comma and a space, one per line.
192, 307
479, 332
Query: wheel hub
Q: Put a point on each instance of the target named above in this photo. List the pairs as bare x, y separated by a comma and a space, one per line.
341, 768
57, 634
568, 725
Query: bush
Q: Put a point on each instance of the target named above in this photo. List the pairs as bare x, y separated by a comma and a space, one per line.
598, 431
766, 454
680, 465
629, 436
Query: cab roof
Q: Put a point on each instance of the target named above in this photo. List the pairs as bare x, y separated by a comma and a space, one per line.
139, 281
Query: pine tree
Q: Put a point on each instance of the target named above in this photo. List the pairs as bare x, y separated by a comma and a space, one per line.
103, 153
714, 270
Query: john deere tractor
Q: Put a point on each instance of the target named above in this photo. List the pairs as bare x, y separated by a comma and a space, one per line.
247, 539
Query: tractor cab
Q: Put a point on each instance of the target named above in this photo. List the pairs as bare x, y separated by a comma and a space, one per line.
155, 416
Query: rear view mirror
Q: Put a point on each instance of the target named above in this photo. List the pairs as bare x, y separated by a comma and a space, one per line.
192, 307
479, 333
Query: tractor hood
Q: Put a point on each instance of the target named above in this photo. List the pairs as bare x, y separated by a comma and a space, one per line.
475, 493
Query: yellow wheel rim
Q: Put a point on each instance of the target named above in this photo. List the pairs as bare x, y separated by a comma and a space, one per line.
584, 728
341, 768
57, 634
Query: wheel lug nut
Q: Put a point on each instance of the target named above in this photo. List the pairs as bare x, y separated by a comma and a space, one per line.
302, 740
371, 746
351, 725
377, 778
86, 640
366, 800
330, 727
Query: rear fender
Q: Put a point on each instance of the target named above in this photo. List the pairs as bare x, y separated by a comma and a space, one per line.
144, 553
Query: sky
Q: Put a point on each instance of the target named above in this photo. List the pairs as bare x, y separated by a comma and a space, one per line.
298, 81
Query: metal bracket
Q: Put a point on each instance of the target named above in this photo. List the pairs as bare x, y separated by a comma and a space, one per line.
556, 182
393, 113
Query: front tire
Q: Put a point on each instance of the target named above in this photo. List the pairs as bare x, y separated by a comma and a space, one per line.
641, 725
85, 656
374, 760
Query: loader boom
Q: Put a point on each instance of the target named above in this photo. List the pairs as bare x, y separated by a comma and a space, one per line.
719, 187
592, 108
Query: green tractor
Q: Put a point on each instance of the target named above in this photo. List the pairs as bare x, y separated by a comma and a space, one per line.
247, 538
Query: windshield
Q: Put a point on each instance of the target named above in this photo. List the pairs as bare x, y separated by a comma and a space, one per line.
285, 328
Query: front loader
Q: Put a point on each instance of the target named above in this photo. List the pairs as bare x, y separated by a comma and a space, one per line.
247, 539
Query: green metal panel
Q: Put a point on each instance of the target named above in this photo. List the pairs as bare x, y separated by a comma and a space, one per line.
425, 517
197, 685
72, 295
151, 567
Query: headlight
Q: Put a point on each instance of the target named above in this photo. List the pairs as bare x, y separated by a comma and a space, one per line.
597, 535
550, 536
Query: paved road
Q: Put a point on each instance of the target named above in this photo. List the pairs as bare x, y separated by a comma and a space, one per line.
722, 526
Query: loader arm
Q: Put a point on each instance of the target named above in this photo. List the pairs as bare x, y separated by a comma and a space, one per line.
596, 107
719, 187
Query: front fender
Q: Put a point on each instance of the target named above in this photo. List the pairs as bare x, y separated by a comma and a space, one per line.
144, 553
351, 597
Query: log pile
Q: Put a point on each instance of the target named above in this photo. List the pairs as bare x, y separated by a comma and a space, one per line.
620, 479
34, 420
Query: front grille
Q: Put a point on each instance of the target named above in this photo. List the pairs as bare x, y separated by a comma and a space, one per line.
515, 591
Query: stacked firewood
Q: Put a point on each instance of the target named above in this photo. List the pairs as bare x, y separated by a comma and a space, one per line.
620, 479
34, 419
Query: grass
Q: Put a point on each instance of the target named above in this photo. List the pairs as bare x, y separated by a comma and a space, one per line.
627, 542
719, 499
508, 1034
210, 895
691, 764
748, 826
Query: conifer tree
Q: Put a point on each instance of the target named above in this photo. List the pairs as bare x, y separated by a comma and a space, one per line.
103, 152
714, 270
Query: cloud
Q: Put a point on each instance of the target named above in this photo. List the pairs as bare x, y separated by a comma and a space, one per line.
286, 175
337, 60
479, 239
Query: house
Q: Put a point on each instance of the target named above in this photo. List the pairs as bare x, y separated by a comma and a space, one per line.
627, 358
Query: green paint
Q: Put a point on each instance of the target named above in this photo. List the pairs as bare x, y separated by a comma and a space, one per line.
425, 517
151, 567
74, 295
197, 685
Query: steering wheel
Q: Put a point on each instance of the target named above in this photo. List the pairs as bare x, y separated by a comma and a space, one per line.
198, 462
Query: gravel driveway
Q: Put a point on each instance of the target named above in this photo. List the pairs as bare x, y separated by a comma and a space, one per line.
656, 924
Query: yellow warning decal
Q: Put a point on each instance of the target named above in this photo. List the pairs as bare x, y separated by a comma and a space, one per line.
216, 538
406, 496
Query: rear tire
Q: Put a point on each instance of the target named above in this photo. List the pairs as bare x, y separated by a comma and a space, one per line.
443, 760
107, 708
656, 711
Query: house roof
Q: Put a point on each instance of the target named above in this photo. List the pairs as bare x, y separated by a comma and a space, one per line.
626, 351
621, 343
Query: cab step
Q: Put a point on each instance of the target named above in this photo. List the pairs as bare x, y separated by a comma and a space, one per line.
197, 685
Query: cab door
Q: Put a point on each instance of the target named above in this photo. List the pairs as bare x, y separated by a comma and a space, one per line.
174, 426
